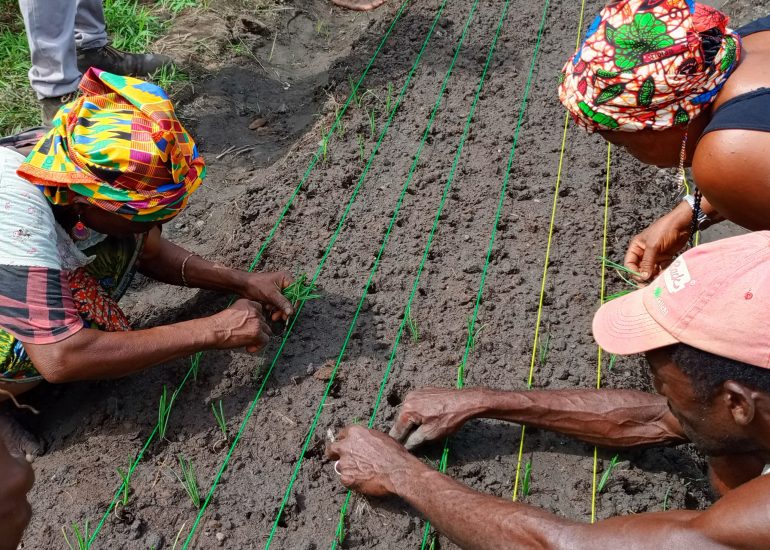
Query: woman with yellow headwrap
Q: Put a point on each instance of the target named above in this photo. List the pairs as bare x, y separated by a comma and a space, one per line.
80, 215
672, 84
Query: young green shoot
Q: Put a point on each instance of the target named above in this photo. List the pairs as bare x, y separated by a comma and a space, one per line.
606, 475
373, 122
189, 480
361, 148
219, 415
340, 123
621, 270
543, 349
665, 498
613, 359
125, 487
301, 290
164, 411
411, 325
527, 479
389, 99
473, 333
324, 145
354, 91
80, 537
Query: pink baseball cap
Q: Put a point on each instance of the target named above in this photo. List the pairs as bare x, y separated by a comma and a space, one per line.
715, 297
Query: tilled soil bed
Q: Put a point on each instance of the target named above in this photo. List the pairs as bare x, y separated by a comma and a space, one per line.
92, 429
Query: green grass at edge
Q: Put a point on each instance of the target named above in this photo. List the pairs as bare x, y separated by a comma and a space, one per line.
132, 27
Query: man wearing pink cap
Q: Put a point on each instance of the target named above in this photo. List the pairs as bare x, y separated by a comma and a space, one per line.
702, 325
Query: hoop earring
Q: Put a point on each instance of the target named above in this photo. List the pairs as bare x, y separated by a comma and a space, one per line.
79, 231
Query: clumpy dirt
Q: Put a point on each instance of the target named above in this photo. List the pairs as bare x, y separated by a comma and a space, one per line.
295, 86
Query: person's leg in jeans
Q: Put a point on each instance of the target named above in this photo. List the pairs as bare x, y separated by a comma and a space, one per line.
50, 32
90, 30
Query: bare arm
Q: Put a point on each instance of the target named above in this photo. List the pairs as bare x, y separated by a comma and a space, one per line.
608, 418
374, 464
163, 260
92, 354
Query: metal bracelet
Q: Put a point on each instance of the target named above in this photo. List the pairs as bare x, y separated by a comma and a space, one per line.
184, 264
702, 216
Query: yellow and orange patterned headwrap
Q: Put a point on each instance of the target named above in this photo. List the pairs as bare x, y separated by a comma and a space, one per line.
649, 64
121, 147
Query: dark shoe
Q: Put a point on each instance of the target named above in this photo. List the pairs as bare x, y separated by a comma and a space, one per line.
116, 61
49, 106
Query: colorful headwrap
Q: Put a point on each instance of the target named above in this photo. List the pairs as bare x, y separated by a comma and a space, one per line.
649, 64
121, 147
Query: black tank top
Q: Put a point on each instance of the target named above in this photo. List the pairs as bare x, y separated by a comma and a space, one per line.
749, 111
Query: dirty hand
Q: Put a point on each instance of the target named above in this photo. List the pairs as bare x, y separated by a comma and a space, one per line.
359, 5
241, 325
15, 482
266, 288
652, 250
434, 413
370, 462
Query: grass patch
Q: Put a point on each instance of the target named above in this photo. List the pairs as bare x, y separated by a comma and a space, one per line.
132, 26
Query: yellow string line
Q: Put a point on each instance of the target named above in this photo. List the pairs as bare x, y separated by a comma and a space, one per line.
545, 264
601, 301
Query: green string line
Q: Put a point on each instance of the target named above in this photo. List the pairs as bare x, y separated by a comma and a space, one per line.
195, 361
470, 339
603, 279
351, 328
339, 533
317, 273
546, 262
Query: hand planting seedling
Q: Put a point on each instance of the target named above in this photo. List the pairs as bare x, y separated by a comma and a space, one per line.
189, 481
607, 473
411, 325
219, 415
527, 478
81, 537
300, 290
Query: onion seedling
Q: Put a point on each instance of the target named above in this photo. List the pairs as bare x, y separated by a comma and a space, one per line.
473, 333
81, 537
665, 498
125, 487
607, 473
613, 359
372, 122
361, 149
620, 270
189, 480
300, 290
164, 411
543, 350
353, 90
411, 324
389, 99
219, 415
527, 478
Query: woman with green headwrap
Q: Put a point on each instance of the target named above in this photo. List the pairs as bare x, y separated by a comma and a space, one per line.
80, 215
669, 82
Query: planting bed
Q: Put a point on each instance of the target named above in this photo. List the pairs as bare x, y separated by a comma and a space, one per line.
92, 429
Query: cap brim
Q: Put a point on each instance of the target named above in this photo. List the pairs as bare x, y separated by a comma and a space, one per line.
623, 327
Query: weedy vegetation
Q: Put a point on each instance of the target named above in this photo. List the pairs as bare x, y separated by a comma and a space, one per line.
607, 473
189, 480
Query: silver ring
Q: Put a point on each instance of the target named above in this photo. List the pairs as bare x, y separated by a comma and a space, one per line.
336, 470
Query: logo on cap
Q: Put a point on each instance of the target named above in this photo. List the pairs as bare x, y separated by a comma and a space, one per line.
677, 276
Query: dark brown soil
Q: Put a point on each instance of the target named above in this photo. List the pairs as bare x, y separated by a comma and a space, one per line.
93, 428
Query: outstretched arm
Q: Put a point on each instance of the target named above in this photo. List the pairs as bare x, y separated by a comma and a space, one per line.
165, 261
374, 464
608, 418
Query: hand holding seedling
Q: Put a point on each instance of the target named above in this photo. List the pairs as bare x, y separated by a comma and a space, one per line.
369, 461
429, 414
15, 481
267, 288
654, 249
242, 325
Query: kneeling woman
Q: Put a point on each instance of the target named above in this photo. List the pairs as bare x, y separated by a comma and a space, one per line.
80, 215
